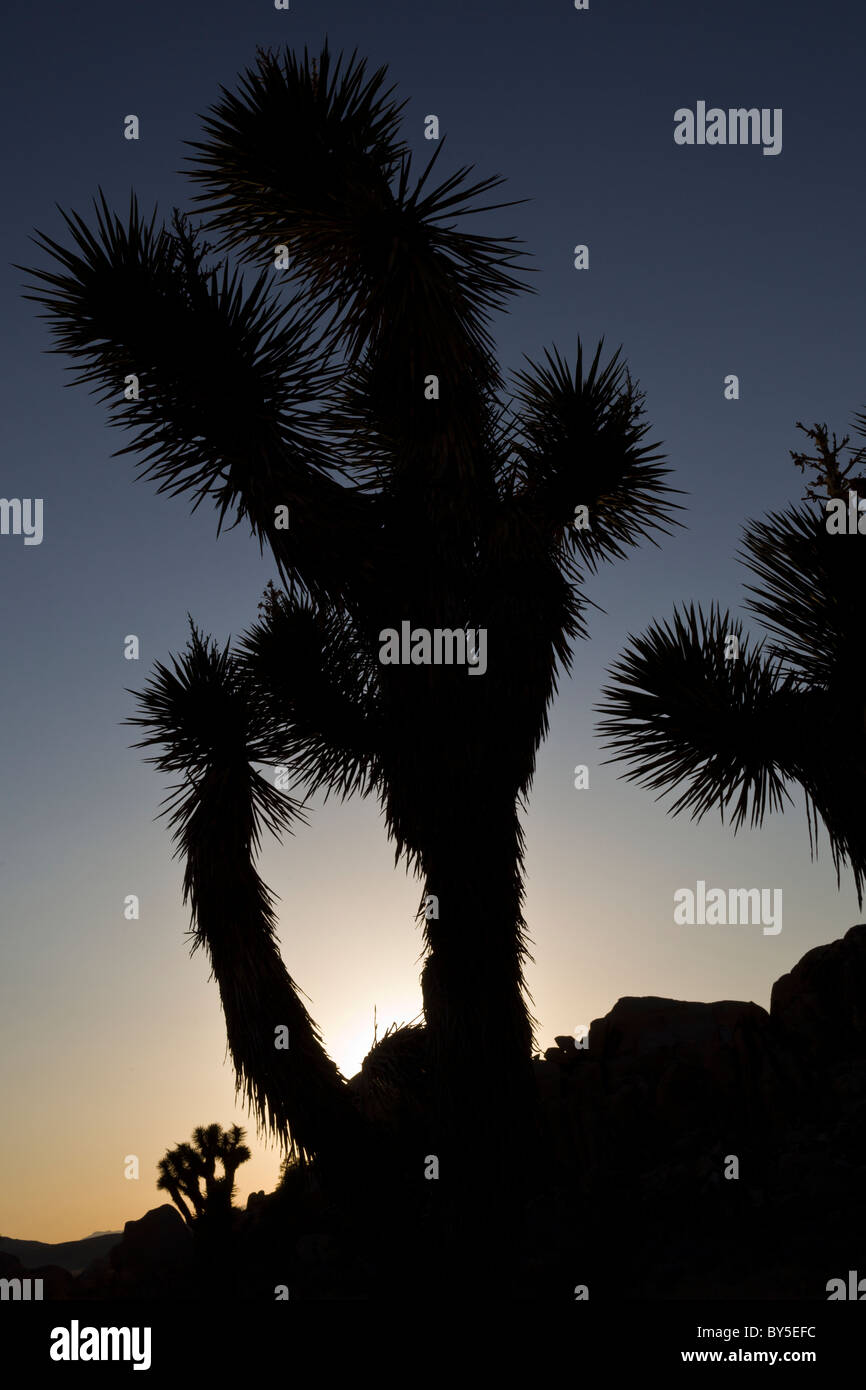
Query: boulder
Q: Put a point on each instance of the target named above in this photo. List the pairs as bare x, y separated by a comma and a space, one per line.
155, 1254
639, 1028
821, 1004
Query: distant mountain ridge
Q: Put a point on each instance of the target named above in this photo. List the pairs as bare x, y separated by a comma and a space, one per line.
74, 1255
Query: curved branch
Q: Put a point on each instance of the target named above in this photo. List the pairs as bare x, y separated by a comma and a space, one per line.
228, 384
212, 727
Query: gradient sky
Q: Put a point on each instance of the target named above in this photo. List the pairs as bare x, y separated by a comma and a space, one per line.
703, 262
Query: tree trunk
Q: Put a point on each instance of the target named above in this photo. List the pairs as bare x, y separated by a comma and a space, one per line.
480, 1036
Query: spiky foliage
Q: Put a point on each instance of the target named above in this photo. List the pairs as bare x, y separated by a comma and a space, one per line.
213, 726
579, 441
792, 710
366, 245
449, 509
700, 717
188, 1171
180, 1181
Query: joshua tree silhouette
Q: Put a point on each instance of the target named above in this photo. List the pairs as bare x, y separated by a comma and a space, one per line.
185, 1167
735, 733
367, 412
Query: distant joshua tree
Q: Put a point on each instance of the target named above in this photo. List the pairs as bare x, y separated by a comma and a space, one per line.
188, 1172
360, 429
734, 733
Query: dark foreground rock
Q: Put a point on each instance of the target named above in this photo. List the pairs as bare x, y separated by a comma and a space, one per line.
23, 1283
821, 1003
154, 1259
689, 1151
